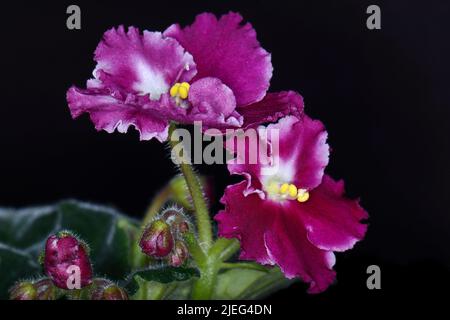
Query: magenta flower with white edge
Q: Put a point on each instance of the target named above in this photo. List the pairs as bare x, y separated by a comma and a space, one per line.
296, 217
148, 79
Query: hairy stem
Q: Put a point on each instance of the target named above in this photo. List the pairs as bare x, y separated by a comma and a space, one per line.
201, 209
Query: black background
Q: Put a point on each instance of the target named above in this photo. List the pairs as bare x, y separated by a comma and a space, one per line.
383, 96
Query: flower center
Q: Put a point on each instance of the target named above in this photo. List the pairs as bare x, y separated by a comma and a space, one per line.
286, 191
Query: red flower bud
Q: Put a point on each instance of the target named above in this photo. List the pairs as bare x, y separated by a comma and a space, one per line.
157, 239
23, 291
66, 261
179, 255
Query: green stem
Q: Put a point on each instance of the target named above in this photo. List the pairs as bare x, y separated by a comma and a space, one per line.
198, 200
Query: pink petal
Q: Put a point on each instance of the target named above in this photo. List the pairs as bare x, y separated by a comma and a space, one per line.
144, 64
303, 150
333, 222
248, 219
227, 50
213, 103
110, 113
273, 107
288, 245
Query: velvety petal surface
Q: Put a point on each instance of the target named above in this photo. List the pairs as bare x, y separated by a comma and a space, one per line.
225, 48
144, 64
288, 245
213, 103
248, 219
271, 108
333, 222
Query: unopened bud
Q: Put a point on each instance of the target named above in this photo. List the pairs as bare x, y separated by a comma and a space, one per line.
23, 291
179, 254
66, 261
46, 290
157, 239
107, 290
176, 219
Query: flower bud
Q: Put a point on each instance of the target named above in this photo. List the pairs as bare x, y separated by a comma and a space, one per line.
66, 261
23, 291
157, 239
45, 289
179, 254
176, 219
108, 290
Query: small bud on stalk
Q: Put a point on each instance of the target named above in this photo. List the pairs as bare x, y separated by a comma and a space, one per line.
46, 290
104, 289
179, 254
23, 291
157, 239
66, 261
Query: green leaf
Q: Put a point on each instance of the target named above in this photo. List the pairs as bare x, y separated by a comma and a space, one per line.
23, 234
249, 284
161, 274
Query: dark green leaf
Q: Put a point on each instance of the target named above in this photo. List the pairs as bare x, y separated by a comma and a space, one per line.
160, 274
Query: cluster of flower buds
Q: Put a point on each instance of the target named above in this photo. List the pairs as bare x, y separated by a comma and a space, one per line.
163, 237
41, 289
66, 263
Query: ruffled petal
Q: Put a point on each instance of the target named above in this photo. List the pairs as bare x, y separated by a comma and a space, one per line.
144, 64
289, 247
227, 50
213, 103
248, 219
110, 113
333, 222
273, 107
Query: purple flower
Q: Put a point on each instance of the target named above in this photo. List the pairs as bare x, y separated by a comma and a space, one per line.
297, 216
62, 252
213, 71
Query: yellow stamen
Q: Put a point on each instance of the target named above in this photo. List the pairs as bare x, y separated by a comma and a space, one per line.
292, 191
174, 89
303, 195
284, 188
180, 90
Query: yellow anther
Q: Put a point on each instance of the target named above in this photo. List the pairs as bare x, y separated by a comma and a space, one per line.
185, 85
284, 188
292, 191
180, 90
174, 89
303, 195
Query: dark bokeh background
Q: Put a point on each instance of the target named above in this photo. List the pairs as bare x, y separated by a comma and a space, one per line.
383, 96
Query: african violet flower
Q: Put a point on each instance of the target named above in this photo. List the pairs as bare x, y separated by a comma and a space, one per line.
213, 71
295, 217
